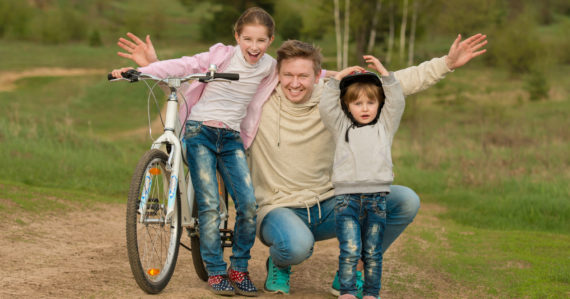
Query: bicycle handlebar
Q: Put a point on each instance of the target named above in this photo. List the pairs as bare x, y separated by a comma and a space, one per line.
134, 76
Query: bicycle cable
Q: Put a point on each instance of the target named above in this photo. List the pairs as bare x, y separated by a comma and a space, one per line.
151, 93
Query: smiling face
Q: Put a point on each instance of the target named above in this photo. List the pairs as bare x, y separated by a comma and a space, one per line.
253, 41
364, 109
298, 79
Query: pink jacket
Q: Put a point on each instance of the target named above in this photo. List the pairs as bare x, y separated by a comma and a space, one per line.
220, 55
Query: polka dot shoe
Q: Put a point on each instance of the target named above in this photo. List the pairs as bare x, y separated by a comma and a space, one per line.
220, 285
242, 284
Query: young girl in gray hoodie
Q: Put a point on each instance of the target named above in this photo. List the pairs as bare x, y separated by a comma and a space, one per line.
363, 123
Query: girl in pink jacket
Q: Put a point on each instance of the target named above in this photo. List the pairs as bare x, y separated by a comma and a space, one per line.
221, 119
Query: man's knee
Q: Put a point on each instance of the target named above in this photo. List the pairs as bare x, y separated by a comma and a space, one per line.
403, 203
292, 252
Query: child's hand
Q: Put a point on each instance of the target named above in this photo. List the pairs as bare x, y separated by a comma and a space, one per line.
140, 52
348, 71
117, 72
375, 64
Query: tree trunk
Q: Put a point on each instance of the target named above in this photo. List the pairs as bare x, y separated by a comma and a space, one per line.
345, 39
413, 33
391, 32
372, 38
338, 35
403, 30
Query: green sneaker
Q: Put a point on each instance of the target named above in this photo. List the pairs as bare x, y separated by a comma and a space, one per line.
335, 289
277, 280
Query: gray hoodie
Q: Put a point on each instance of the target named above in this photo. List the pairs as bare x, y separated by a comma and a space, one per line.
364, 164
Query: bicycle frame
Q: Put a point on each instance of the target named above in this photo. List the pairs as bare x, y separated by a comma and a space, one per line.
172, 129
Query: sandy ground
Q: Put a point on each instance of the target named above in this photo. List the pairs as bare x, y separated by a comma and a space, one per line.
82, 253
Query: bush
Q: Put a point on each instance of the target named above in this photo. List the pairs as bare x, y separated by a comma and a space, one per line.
536, 85
95, 39
515, 46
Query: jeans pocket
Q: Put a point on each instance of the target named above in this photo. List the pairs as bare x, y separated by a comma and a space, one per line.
341, 203
379, 207
192, 129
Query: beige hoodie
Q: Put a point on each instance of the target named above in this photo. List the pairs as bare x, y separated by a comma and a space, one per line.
292, 154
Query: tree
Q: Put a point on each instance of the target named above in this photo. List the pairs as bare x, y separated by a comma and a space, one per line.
403, 30
338, 34
346, 35
390, 32
411, 44
216, 26
372, 38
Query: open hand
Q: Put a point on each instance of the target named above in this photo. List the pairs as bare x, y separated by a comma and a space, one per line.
142, 53
375, 64
462, 51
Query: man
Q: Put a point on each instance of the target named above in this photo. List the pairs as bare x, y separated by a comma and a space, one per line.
291, 156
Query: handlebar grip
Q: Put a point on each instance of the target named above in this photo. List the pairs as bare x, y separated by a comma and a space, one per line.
227, 76
131, 75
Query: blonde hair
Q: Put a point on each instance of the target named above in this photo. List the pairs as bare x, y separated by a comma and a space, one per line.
257, 16
299, 49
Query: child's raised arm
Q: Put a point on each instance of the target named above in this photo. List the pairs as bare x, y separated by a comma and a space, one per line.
375, 64
347, 71
142, 53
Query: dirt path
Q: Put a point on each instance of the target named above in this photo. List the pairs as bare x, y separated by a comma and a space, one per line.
8, 79
82, 253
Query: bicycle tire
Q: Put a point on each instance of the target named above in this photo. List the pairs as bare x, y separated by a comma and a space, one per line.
199, 265
152, 269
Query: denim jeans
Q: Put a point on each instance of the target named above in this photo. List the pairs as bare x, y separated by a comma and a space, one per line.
291, 237
360, 225
209, 149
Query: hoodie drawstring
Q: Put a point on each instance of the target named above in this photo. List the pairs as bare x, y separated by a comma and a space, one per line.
279, 123
309, 209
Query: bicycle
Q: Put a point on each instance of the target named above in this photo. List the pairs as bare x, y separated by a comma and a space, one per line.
160, 204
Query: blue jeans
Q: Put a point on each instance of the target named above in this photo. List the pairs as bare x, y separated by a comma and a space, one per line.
291, 237
209, 149
360, 225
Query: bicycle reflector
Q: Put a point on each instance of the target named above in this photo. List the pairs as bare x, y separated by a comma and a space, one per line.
153, 271
154, 171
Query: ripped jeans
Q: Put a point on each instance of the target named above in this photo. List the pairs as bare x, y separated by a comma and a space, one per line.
208, 149
360, 226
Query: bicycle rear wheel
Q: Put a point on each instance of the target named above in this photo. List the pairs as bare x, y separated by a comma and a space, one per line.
195, 232
152, 241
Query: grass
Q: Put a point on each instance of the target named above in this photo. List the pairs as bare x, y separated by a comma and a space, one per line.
498, 263
16, 198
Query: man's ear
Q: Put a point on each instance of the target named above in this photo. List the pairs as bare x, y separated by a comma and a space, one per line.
236, 37
318, 76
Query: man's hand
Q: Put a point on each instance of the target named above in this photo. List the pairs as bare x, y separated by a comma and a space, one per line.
462, 51
142, 53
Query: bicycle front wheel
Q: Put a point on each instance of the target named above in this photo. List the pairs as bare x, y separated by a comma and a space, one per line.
152, 239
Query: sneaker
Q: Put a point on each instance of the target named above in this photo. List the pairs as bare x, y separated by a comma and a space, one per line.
220, 285
335, 289
242, 283
277, 280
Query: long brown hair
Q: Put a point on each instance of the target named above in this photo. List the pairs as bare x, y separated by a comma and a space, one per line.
257, 16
